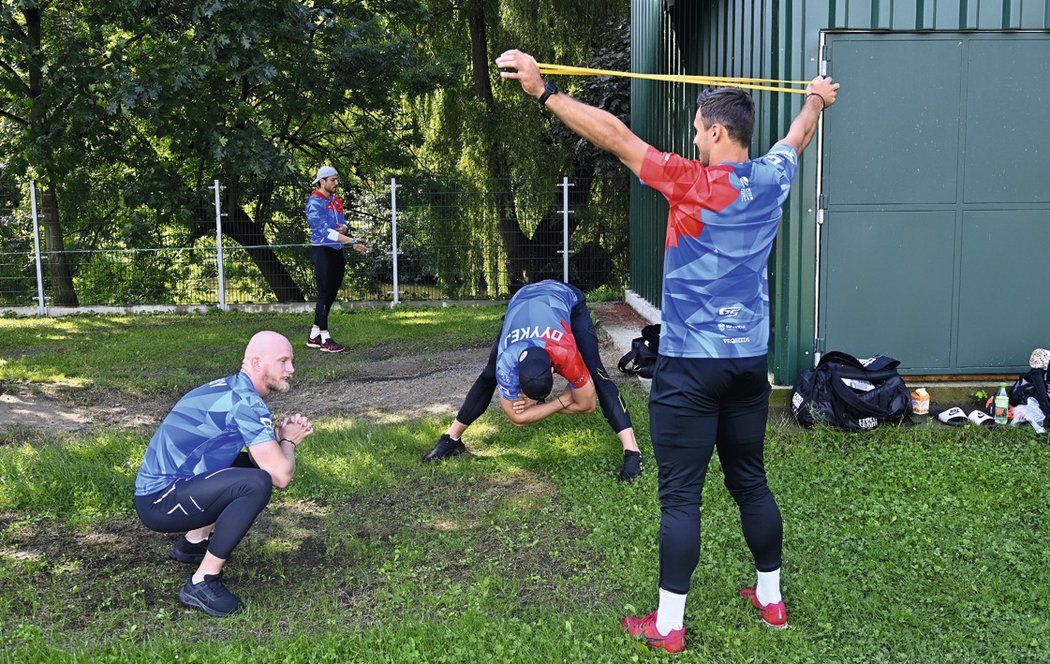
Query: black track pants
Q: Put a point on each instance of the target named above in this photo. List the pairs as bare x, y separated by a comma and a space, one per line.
230, 498
329, 268
696, 406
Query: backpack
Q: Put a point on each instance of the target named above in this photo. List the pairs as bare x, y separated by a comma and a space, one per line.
641, 359
857, 395
1032, 384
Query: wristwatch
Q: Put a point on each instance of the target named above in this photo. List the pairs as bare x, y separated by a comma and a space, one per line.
548, 90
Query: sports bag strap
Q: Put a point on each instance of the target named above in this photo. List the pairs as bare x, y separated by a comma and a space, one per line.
626, 364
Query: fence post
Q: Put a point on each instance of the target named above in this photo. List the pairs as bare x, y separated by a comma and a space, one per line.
219, 255
40, 310
565, 229
393, 237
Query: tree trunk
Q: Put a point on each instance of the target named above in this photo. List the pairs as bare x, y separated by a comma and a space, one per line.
59, 272
514, 239
238, 226
58, 269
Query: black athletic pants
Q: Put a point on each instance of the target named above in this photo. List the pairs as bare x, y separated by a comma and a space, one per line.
230, 498
613, 407
695, 406
329, 268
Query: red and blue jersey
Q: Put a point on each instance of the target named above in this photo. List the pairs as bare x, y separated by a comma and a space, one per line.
204, 433
539, 315
325, 216
720, 229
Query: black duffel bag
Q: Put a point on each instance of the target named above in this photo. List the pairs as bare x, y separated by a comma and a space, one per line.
844, 392
641, 359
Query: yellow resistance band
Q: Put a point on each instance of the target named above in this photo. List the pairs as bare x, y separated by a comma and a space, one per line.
729, 81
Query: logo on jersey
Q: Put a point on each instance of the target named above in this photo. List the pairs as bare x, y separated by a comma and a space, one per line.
745, 190
266, 422
729, 311
722, 327
523, 333
736, 340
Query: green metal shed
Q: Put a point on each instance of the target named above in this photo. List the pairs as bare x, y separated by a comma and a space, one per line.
919, 223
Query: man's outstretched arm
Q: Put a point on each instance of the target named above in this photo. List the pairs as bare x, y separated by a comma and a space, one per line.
804, 126
594, 125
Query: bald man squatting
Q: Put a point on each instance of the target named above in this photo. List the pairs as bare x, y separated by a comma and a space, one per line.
196, 479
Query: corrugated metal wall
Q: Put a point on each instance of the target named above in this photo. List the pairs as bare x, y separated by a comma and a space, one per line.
767, 39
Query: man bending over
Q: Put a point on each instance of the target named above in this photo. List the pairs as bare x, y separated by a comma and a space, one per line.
546, 329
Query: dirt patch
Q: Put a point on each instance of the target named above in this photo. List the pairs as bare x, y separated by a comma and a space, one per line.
394, 384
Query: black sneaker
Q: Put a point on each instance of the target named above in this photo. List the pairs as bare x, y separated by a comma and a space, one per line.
445, 449
185, 551
210, 596
632, 466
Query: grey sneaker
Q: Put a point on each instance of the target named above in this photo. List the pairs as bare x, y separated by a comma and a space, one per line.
446, 448
210, 596
185, 551
632, 466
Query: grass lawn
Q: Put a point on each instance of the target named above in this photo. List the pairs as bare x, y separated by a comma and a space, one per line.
915, 544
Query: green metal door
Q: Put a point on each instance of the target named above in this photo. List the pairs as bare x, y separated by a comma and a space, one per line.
935, 200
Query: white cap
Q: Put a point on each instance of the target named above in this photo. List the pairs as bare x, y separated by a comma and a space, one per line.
324, 172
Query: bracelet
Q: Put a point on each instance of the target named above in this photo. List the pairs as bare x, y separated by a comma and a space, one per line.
289, 440
560, 402
823, 104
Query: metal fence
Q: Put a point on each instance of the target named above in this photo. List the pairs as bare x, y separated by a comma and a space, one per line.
425, 241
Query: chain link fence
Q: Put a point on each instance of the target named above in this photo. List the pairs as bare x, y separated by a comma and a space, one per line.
425, 241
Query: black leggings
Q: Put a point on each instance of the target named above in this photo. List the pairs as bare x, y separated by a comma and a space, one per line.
613, 407
695, 406
329, 268
230, 498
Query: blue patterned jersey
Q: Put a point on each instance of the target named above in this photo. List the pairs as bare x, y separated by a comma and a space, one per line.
204, 432
325, 215
539, 315
720, 229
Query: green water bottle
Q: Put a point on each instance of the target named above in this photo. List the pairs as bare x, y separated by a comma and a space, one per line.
1002, 405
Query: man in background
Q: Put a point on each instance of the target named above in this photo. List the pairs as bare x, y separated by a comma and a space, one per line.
324, 211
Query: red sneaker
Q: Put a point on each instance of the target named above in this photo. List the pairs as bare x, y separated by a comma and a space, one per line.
646, 628
774, 615
330, 346
313, 342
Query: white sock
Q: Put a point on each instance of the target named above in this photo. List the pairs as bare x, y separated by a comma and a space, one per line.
324, 335
670, 614
768, 587
196, 540
315, 332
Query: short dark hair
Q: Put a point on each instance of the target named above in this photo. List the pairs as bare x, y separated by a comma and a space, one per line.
732, 108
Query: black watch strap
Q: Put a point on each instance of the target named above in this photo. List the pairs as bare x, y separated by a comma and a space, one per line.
548, 90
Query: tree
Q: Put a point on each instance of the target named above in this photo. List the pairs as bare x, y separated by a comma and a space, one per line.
506, 139
261, 92
45, 60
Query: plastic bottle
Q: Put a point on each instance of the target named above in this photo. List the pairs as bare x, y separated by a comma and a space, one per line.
1002, 405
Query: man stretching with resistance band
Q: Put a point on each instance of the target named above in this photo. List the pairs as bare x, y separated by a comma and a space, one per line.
546, 329
195, 478
710, 385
